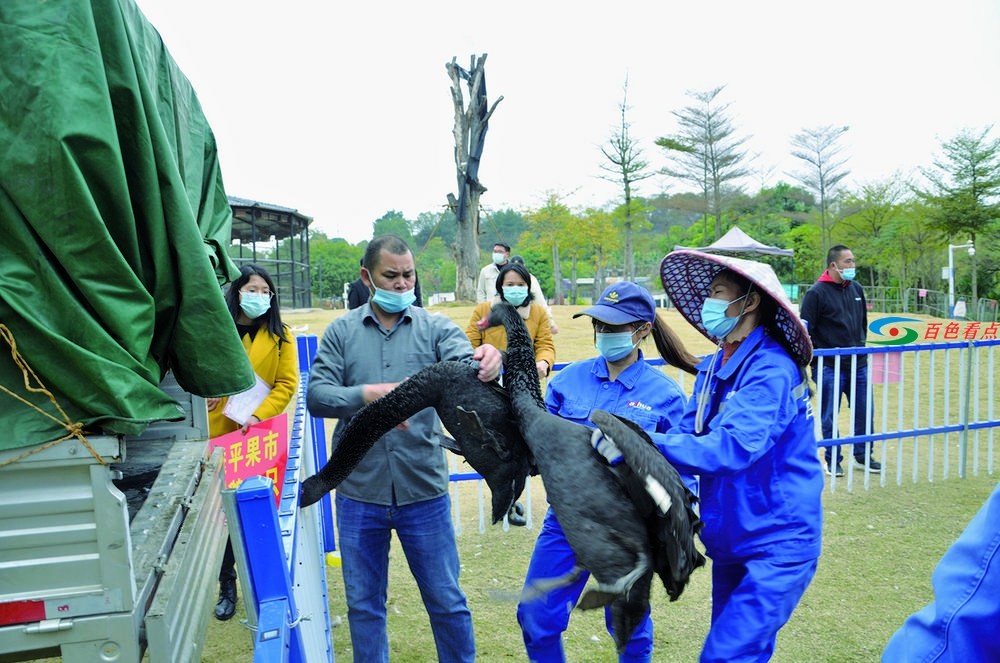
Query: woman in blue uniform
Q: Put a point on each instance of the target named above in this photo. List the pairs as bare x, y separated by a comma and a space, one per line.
960, 625
621, 382
748, 433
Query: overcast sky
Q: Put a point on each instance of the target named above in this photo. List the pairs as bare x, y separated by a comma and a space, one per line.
342, 110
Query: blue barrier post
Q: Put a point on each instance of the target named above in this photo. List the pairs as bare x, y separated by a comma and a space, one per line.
307, 345
300, 533
277, 638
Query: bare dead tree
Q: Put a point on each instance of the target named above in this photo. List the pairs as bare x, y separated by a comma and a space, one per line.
470, 136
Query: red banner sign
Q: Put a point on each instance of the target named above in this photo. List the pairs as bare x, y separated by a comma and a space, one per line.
261, 451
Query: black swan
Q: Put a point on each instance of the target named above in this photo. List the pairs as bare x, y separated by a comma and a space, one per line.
624, 522
477, 414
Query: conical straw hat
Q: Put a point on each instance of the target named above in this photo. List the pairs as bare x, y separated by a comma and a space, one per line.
687, 274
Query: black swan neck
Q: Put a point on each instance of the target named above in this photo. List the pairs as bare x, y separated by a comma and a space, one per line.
520, 371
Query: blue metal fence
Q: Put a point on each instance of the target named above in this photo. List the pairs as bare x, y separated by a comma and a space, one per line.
281, 550
930, 409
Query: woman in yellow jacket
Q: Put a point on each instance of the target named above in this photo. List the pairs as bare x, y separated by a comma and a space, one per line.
253, 303
513, 286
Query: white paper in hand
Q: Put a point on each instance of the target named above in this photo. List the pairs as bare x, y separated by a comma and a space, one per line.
241, 407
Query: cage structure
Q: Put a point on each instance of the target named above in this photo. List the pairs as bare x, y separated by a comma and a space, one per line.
276, 238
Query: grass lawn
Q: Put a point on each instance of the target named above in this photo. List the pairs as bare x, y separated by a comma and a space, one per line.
879, 549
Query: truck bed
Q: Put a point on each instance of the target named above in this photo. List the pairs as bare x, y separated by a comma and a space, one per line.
89, 574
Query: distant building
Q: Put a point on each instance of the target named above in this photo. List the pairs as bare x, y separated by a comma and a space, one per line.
440, 297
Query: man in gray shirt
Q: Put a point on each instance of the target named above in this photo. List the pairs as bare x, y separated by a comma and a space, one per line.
402, 483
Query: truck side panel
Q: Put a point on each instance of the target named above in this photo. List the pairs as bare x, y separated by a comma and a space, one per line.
64, 535
77, 579
174, 629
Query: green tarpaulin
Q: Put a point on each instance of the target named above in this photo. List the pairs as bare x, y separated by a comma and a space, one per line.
113, 224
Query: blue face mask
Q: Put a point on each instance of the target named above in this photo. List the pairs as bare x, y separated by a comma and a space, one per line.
498, 258
847, 274
515, 294
713, 316
391, 301
615, 345
254, 305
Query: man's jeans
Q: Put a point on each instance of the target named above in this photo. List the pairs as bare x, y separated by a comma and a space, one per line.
829, 397
428, 540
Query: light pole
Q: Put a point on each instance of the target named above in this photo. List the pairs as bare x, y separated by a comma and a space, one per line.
951, 272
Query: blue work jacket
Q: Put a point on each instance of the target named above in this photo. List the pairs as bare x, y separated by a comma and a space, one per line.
761, 480
641, 393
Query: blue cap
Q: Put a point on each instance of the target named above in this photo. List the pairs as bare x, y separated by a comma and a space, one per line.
621, 303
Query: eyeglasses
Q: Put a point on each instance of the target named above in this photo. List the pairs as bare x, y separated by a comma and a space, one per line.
602, 328
255, 291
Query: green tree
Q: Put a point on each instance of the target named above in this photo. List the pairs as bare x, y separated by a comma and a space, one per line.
504, 225
810, 259
818, 148
626, 167
667, 211
590, 248
707, 153
771, 212
918, 244
792, 202
430, 225
964, 191
645, 246
393, 223
538, 260
553, 223
436, 267
606, 246
332, 264
868, 214
695, 234
768, 216
666, 242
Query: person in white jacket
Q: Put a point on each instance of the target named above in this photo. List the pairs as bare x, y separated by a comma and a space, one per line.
486, 289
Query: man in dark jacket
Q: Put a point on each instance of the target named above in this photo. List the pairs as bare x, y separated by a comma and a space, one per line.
357, 292
837, 315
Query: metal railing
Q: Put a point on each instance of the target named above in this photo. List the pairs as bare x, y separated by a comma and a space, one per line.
927, 302
929, 412
986, 310
930, 409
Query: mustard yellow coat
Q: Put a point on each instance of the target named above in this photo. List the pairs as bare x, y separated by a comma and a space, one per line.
537, 321
276, 364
